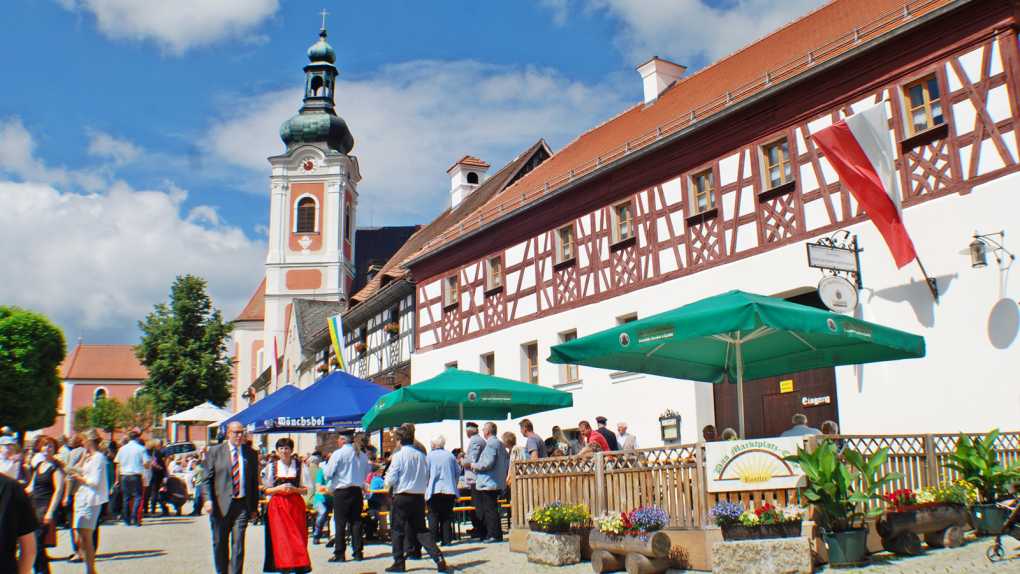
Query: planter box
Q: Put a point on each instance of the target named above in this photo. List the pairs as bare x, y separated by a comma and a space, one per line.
764, 531
652, 544
768, 555
940, 525
554, 549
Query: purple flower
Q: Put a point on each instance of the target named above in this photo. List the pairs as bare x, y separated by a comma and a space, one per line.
726, 512
649, 518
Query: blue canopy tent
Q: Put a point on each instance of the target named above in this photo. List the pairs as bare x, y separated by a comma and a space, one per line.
337, 400
248, 416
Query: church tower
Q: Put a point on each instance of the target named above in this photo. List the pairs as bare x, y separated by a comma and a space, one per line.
313, 204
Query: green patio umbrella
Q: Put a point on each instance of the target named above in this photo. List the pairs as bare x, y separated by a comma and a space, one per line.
456, 394
738, 335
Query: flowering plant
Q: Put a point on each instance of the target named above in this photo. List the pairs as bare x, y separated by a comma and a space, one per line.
726, 512
360, 347
392, 328
959, 492
617, 524
648, 518
900, 498
558, 517
749, 518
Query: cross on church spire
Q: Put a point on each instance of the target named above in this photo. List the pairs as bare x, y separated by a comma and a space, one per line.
324, 14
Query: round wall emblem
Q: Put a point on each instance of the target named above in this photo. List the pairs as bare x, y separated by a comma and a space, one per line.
472, 396
837, 294
308, 165
624, 339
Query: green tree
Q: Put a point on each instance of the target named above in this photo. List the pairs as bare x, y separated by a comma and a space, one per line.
83, 419
138, 412
106, 414
31, 350
184, 348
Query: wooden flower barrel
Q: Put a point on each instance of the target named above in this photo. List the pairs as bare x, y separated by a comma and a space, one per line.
641, 554
941, 526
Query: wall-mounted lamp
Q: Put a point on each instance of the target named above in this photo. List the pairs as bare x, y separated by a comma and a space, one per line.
981, 245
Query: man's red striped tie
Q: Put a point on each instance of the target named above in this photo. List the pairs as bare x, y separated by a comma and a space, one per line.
236, 473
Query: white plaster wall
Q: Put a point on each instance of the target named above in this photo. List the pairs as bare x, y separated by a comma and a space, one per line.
965, 383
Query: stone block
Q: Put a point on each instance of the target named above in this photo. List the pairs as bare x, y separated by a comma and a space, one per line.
778, 555
554, 549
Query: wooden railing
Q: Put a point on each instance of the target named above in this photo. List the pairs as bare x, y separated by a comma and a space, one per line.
674, 477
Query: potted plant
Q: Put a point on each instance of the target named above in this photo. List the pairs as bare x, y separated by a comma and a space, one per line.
978, 464
393, 328
939, 513
839, 491
637, 531
766, 521
556, 533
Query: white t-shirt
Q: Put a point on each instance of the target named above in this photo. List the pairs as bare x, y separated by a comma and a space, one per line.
95, 490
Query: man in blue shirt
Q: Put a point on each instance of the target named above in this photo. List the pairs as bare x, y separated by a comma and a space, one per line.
474, 450
441, 492
491, 470
132, 460
346, 471
408, 477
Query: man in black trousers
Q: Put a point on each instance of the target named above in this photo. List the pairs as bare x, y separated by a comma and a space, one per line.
231, 497
408, 477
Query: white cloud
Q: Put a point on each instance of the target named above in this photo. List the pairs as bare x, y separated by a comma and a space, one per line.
104, 145
412, 120
17, 158
97, 262
176, 25
691, 32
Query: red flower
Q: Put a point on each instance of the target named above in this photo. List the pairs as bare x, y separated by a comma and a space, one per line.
767, 507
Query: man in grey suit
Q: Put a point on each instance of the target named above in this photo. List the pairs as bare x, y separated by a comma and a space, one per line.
476, 443
490, 481
231, 495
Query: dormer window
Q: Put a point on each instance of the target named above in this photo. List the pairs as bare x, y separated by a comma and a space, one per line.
305, 215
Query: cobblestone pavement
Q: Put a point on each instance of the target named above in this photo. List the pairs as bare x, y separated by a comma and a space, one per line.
180, 545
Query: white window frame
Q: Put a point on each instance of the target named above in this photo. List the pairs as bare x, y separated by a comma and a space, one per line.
453, 300
493, 281
787, 159
297, 202
527, 367
569, 374
692, 185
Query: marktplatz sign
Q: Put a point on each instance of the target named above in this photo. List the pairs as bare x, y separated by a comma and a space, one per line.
755, 464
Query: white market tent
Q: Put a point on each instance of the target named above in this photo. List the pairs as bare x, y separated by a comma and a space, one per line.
204, 414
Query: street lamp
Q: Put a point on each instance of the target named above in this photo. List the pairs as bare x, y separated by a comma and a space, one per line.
980, 246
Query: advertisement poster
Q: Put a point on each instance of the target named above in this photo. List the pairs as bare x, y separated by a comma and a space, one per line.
755, 464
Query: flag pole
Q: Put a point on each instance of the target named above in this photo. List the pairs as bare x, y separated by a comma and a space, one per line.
932, 284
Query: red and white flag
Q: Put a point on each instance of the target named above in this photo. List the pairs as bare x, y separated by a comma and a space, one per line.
861, 152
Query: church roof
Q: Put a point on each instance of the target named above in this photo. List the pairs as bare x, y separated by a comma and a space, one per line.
470, 161
255, 310
103, 362
800, 46
395, 267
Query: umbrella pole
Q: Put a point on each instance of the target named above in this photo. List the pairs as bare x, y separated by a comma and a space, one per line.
460, 406
740, 384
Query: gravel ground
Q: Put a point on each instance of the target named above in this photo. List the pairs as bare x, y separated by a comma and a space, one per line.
180, 545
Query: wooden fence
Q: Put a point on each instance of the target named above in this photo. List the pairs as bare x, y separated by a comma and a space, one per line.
674, 477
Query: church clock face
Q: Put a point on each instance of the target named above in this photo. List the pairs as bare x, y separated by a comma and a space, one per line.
308, 165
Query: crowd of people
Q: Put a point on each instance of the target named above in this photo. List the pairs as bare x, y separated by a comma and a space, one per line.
799, 427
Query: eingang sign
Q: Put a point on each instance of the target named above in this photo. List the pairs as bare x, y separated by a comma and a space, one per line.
755, 464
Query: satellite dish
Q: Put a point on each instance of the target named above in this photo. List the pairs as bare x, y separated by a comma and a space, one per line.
838, 294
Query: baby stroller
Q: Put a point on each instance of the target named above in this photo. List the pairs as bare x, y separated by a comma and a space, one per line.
1011, 527
175, 492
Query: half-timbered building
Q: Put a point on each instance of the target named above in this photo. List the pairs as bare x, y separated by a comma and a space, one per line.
713, 183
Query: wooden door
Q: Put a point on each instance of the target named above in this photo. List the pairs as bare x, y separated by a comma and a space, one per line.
770, 403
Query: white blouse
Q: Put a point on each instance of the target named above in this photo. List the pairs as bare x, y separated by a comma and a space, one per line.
278, 469
94, 491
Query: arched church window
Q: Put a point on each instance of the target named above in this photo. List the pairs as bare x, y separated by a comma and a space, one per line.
472, 177
98, 395
316, 85
306, 215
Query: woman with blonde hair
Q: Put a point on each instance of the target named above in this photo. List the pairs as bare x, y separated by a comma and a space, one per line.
93, 492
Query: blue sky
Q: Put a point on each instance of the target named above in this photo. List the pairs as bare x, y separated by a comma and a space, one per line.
133, 135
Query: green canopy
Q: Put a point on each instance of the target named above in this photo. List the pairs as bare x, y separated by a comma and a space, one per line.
456, 394
738, 335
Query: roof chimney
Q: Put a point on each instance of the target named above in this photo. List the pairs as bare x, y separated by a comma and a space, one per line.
465, 176
657, 75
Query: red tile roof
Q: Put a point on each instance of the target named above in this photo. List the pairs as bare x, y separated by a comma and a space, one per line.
817, 37
469, 160
103, 362
255, 310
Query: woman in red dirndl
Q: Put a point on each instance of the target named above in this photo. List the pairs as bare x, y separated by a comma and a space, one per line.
286, 525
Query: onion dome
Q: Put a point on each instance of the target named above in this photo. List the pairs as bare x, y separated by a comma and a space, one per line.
317, 127
321, 51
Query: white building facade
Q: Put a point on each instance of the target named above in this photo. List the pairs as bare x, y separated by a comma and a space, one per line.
714, 184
